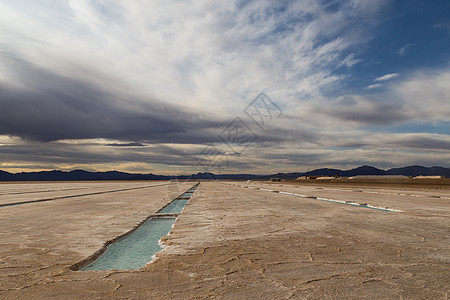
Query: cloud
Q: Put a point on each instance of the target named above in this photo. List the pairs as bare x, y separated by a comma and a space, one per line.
51, 107
422, 97
426, 141
90, 83
392, 141
426, 95
64, 153
134, 144
375, 85
197, 53
142, 71
381, 79
350, 60
387, 77
403, 49
359, 110
444, 25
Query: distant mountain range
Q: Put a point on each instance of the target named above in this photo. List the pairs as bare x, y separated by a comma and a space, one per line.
368, 170
115, 175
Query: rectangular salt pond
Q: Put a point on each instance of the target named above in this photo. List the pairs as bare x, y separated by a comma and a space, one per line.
174, 207
186, 195
135, 250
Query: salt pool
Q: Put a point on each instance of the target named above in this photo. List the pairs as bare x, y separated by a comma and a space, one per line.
176, 206
135, 250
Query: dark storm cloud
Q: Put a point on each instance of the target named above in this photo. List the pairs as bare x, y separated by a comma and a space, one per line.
134, 144
422, 142
352, 145
404, 141
293, 158
57, 153
363, 111
50, 107
50, 155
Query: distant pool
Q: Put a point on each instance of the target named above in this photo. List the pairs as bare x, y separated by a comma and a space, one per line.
186, 195
174, 207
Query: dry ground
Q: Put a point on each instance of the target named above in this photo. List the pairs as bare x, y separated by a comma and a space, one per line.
230, 242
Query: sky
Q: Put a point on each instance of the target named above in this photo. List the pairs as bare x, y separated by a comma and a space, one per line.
257, 86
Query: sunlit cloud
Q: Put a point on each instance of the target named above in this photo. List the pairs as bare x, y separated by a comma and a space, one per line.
387, 77
374, 86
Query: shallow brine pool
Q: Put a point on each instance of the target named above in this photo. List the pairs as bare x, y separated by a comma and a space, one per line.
174, 207
134, 251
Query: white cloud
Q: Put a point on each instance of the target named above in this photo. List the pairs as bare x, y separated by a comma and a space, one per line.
350, 60
426, 95
373, 86
9, 140
422, 97
387, 77
192, 52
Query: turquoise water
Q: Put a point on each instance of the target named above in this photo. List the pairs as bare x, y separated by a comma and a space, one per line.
135, 250
186, 195
174, 207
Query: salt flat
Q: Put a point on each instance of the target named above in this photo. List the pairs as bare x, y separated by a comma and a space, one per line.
230, 242
23, 192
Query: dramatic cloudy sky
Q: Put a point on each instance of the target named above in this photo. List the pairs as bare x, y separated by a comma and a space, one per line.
172, 87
